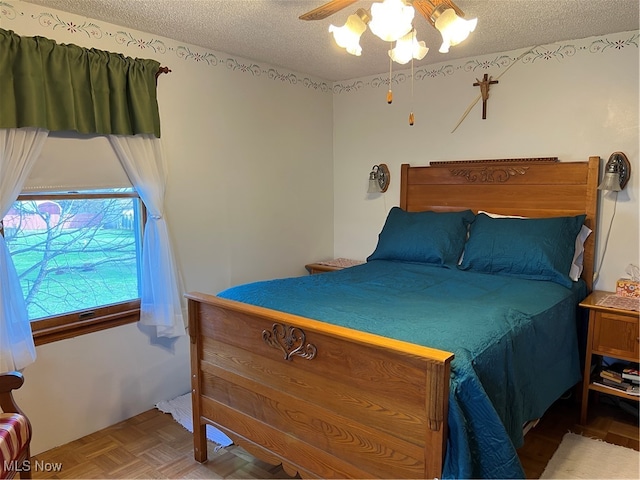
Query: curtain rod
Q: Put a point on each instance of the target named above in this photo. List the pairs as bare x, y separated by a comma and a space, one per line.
162, 70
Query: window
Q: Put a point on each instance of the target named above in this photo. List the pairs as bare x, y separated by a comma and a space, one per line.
78, 259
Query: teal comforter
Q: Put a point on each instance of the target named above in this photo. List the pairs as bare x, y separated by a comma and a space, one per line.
514, 341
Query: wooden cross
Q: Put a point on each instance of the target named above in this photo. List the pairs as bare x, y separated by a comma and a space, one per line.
484, 91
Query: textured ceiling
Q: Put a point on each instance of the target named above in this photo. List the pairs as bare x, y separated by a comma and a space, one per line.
269, 31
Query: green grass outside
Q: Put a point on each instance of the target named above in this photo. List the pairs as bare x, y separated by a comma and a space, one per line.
82, 273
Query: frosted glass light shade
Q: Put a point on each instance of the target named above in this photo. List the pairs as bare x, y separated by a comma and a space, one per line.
453, 28
408, 47
379, 179
610, 182
373, 185
391, 19
348, 36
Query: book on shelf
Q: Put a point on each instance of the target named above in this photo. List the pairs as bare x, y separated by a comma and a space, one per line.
631, 374
624, 387
611, 375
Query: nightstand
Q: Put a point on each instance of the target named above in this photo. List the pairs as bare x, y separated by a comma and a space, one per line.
331, 265
613, 332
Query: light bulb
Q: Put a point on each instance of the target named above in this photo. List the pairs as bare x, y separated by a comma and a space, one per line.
453, 28
391, 19
348, 36
408, 47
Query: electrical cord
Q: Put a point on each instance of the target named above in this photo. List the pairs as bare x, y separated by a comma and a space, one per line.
596, 274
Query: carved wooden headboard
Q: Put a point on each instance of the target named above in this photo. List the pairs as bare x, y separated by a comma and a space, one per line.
532, 187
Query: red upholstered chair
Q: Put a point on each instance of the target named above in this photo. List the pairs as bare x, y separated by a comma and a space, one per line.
15, 430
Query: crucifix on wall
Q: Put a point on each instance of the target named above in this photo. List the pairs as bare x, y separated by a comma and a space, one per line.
484, 91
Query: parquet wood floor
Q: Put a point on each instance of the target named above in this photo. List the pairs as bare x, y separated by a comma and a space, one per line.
153, 445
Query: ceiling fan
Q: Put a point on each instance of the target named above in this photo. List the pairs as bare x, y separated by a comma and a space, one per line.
391, 20
425, 7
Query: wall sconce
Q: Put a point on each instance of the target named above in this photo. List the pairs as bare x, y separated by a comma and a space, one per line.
616, 173
379, 179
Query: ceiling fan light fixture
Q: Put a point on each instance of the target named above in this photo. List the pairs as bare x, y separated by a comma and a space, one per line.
391, 19
407, 48
348, 36
453, 28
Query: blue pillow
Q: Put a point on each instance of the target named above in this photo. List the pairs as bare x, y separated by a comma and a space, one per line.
533, 248
436, 238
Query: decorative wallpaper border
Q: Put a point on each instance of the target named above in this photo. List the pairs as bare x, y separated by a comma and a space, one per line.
189, 53
500, 62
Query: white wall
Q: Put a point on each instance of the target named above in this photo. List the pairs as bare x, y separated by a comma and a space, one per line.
245, 143
570, 100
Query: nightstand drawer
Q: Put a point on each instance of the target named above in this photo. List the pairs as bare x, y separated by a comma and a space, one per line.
616, 335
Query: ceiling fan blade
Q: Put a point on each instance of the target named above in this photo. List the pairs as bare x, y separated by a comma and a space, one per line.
326, 10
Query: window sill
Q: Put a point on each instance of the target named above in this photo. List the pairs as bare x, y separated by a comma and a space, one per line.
80, 323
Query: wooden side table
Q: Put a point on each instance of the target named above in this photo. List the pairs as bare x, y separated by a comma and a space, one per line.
613, 332
331, 265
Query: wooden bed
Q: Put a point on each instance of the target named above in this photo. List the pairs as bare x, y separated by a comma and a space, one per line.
331, 402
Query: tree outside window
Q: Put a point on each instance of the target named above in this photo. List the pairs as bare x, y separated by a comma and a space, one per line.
78, 258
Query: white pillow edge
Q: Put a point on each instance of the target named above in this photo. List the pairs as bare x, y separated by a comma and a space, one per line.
578, 257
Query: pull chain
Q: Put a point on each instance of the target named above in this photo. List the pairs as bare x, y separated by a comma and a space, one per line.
390, 93
411, 117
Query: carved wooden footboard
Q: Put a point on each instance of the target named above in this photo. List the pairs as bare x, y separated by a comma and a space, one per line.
322, 400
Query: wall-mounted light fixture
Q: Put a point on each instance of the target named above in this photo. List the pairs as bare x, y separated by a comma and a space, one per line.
616, 173
379, 179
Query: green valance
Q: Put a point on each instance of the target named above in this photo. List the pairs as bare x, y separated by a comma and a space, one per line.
65, 87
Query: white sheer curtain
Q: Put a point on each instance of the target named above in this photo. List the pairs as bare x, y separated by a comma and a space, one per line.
143, 160
19, 149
